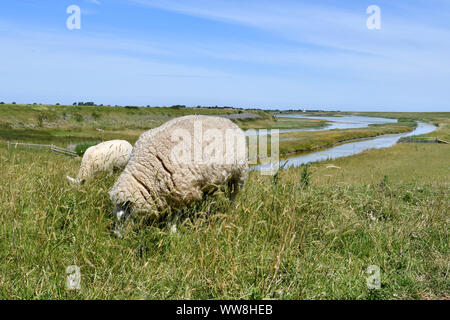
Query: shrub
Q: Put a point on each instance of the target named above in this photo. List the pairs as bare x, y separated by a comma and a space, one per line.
96, 115
305, 176
81, 148
78, 117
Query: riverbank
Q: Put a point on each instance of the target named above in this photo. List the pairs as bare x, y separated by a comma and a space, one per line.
297, 142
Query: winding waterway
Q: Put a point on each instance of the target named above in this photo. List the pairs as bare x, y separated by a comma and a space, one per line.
351, 148
341, 122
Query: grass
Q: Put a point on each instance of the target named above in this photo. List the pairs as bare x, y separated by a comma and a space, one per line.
96, 117
403, 163
281, 123
81, 148
309, 233
63, 125
281, 240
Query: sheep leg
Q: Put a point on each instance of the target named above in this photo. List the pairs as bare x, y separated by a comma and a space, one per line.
234, 186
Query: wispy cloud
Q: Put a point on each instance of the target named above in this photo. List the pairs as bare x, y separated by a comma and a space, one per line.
401, 39
97, 2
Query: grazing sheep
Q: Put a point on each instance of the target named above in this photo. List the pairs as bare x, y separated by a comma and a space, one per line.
180, 162
103, 157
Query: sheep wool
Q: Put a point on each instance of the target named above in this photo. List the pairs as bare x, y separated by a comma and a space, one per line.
103, 157
180, 162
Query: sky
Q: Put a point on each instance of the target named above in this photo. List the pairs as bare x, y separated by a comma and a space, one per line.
282, 54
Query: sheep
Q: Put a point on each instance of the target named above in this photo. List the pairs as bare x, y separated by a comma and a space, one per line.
179, 163
103, 157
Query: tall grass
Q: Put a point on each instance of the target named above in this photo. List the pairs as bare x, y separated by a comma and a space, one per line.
81, 148
279, 239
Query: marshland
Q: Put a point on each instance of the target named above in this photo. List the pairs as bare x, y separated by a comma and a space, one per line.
309, 232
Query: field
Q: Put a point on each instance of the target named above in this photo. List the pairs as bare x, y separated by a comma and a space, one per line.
63, 124
307, 233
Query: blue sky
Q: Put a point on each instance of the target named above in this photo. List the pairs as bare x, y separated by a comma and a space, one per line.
244, 53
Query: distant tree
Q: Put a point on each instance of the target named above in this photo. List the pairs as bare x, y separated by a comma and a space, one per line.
13, 102
86, 104
2, 102
58, 104
74, 104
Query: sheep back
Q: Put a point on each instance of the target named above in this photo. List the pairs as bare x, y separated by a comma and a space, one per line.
159, 173
104, 157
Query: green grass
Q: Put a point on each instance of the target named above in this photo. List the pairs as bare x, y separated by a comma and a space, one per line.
81, 148
281, 123
306, 234
96, 117
63, 125
421, 163
283, 240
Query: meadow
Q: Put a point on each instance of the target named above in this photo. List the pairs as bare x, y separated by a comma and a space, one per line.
307, 233
62, 125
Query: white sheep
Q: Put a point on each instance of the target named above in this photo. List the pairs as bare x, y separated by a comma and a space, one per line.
180, 162
103, 157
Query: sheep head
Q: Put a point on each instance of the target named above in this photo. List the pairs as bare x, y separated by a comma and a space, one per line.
122, 211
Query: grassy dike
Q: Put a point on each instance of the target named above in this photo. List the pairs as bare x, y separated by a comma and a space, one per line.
304, 234
63, 124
